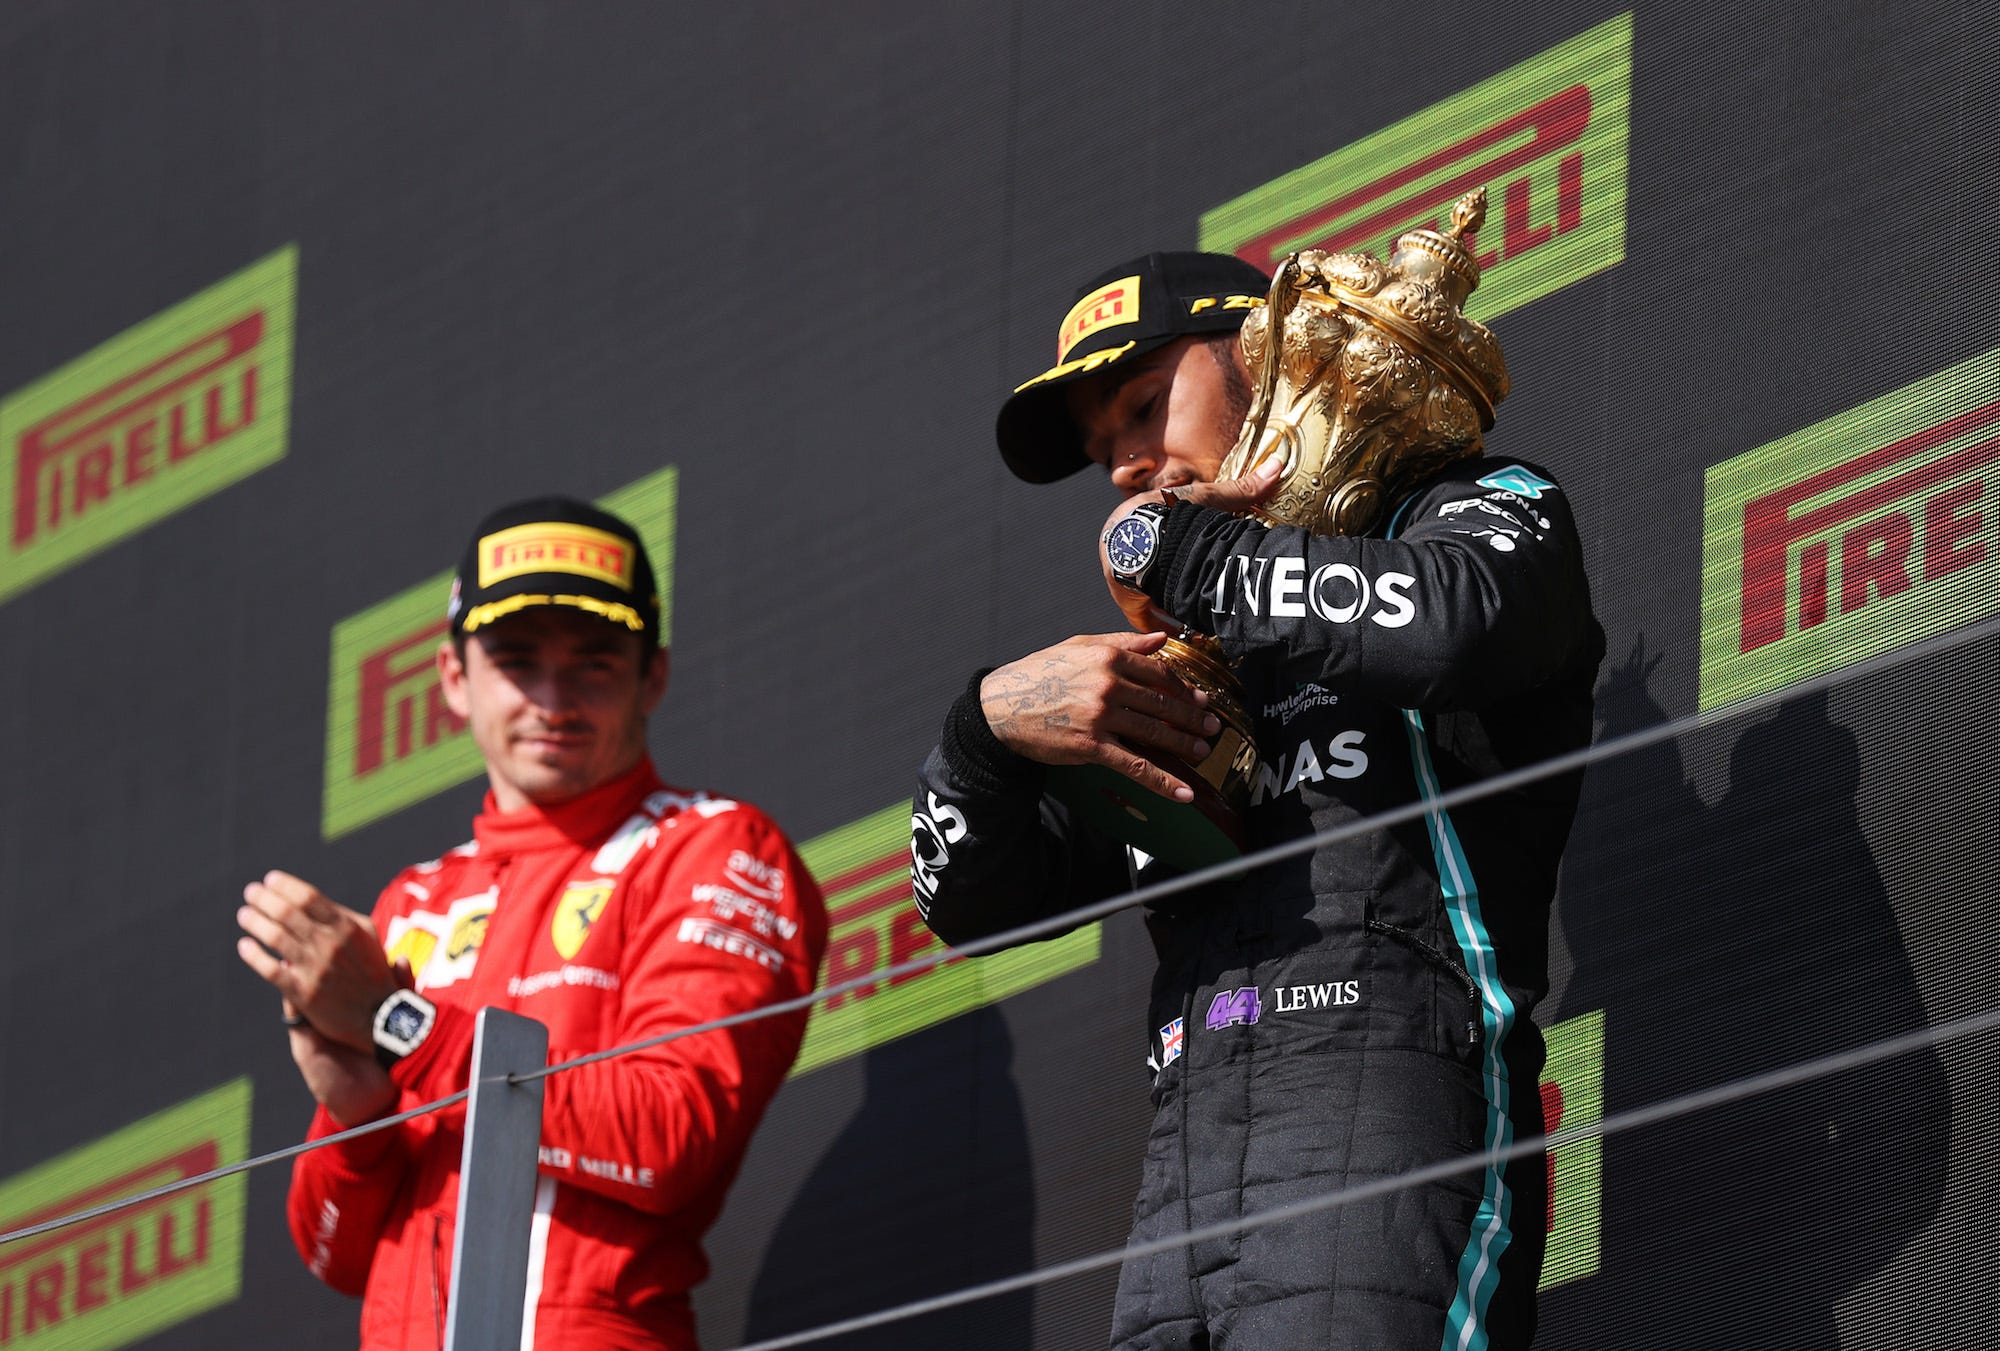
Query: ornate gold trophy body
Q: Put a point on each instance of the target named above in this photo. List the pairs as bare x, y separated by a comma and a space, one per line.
1367, 378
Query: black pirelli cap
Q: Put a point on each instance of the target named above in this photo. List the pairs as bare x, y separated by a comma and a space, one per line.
1123, 313
560, 552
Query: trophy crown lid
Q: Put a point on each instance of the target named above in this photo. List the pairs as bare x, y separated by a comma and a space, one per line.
1417, 299
1468, 213
1443, 258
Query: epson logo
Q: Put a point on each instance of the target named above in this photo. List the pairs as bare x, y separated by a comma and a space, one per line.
1338, 593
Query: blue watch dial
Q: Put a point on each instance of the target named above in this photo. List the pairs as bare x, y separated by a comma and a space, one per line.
1129, 545
404, 1022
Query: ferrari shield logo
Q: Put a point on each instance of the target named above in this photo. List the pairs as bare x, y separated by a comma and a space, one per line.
581, 905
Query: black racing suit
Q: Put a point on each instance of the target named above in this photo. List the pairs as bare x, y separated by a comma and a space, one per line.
1363, 1011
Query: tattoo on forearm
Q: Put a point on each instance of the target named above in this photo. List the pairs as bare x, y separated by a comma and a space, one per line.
1021, 700
1044, 692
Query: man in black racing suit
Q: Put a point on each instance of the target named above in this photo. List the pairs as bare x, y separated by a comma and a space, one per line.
1336, 1018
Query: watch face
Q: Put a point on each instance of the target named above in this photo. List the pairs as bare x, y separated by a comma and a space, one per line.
403, 1022
1130, 544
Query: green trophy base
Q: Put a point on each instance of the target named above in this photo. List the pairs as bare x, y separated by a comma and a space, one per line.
1186, 835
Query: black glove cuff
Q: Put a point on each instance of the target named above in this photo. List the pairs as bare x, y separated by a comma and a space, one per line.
1164, 578
975, 755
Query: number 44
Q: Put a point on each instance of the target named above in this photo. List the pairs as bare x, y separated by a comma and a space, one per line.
1230, 1007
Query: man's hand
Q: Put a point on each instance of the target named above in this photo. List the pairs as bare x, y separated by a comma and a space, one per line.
350, 1084
325, 959
1237, 496
1100, 699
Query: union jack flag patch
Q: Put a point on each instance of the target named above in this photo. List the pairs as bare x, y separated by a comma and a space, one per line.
1171, 1038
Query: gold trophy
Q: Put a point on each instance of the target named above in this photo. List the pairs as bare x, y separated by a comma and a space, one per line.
1367, 379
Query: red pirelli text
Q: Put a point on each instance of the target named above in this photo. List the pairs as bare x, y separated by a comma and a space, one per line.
124, 434
879, 929
400, 707
1497, 154
1924, 523
72, 1272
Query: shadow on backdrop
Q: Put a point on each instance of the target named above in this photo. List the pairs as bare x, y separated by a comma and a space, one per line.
1723, 942
927, 1189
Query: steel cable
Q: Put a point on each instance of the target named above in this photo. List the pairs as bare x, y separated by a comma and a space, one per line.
1665, 1110
1305, 844
1499, 783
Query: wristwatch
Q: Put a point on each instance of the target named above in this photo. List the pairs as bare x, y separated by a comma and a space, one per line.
1130, 545
402, 1021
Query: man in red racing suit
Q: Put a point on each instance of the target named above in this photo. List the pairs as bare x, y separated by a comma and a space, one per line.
612, 914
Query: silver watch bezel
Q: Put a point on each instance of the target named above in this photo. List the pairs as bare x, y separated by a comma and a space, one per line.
386, 1039
1155, 514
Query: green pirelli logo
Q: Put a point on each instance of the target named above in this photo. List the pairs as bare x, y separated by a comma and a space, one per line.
161, 416
1863, 533
1573, 1099
110, 1281
864, 869
390, 739
1547, 140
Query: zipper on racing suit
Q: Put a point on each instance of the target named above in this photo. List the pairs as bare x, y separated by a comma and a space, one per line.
1432, 954
437, 1288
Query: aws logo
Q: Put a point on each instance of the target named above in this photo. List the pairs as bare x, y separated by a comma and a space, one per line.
1339, 593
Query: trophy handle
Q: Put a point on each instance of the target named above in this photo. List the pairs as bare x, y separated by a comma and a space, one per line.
1278, 305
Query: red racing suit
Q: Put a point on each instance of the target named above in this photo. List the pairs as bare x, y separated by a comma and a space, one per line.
630, 911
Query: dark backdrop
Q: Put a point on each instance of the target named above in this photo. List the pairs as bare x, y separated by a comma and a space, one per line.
800, 251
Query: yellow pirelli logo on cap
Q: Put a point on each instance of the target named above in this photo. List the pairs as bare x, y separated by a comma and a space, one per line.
1117, 303
554, 546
